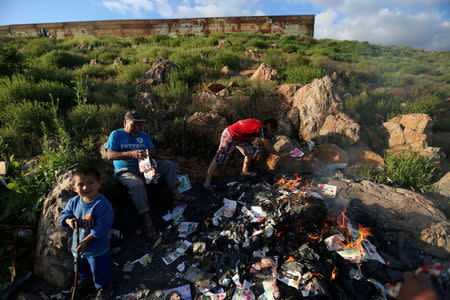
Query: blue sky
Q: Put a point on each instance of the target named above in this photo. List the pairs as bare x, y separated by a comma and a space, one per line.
417, 23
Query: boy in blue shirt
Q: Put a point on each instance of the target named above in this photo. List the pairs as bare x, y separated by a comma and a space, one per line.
94, 216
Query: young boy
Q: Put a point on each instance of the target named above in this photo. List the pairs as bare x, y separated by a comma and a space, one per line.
94, 216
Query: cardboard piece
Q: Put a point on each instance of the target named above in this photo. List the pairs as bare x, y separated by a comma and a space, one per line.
186, 228
198, 277
171, 257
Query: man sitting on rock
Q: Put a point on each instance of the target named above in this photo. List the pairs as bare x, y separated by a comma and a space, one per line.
125, 146
240, 135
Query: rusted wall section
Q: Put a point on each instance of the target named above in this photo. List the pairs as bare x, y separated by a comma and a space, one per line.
300, 24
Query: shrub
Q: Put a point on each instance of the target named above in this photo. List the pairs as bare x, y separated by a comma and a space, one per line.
212, 41
95, 71
19, 89
303, 74
108, 57
38, 72
130, 73
38, 47
10, 60
64, 59
411, 170
225, 57
442, 125
256, 43
26, 117
19, 144
430, 105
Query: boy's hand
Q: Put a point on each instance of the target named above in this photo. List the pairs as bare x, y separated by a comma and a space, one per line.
71, 222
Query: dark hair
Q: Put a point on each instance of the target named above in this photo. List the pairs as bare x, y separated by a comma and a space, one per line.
171, 294
87, 171
273, 123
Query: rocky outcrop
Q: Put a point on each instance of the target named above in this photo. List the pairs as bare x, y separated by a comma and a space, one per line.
158, 73
118, 61
437, 239
214, 87
208, 124
210, 101
265, 73
288, 91
315, 102
443, 185
222, 43
3, 167
285, 126
388, 208
331, 156
339, 129
145, 101
410, 132
54, 262
287, 163
364, 156
247, 73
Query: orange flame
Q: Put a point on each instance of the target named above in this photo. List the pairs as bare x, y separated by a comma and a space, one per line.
363, 233
333, 274
291, 258
312, 238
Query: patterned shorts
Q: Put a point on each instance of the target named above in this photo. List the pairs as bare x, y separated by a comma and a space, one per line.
227, 146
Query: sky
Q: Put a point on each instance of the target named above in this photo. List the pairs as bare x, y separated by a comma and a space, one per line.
417, 23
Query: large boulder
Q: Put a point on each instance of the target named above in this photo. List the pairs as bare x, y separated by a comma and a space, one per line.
210, 101
315, 102
443, 185
339, 129
364, 156
331, 156
265, 73
389, 209
288, 91
144, 101
287, 163
158, 73
410, 132
208, 124
54, 261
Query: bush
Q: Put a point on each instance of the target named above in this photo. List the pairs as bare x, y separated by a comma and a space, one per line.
19, 89
38, 47
19, 144
411, 170
442, 125
108, 57
37, 72
64, 59
95, 71
130, 73
430, 105
10, 60
26, 117
303, 74
225, 57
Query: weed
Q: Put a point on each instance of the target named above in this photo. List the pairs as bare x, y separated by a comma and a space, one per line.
411, 170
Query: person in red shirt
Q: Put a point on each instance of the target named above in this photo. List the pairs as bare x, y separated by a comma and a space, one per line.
240, 135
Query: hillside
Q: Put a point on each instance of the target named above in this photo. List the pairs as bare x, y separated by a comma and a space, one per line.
61, 98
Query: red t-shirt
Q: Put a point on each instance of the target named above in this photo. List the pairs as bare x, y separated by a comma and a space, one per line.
245, 130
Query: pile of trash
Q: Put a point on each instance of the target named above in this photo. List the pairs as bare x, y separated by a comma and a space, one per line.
273, 240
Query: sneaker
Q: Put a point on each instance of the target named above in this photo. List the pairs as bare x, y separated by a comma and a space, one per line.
103, 294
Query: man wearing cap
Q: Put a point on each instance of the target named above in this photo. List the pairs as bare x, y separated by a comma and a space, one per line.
125, 146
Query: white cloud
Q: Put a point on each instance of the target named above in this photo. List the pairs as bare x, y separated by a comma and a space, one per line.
209, 8
134, 7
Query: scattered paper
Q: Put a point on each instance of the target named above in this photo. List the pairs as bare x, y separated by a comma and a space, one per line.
171, 257
229, 207
335, 242
350, 254
297, 153
178, 211
144, 260
184, 183
186, 228
328, 189
184, 292
148, 167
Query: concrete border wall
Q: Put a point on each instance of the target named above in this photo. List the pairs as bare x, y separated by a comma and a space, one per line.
295, 24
